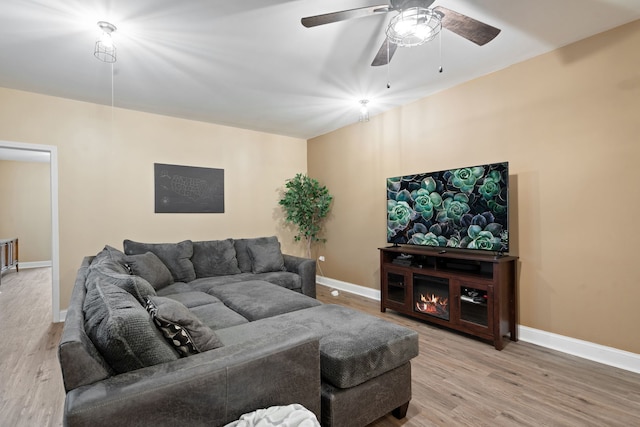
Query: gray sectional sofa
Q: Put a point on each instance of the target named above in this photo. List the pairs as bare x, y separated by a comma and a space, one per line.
199, 333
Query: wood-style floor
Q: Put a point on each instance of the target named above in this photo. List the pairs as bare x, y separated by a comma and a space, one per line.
460, 381
31, 390
457, 381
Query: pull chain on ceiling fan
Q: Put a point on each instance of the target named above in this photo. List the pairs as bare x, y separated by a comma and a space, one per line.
425, 35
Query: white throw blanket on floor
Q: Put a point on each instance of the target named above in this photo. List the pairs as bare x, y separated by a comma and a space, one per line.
283, 416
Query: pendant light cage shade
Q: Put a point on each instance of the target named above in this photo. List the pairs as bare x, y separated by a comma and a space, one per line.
105, 50
413, 27
364, 111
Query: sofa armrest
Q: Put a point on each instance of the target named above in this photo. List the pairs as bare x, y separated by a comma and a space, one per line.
80, 361
211, 388
306, 268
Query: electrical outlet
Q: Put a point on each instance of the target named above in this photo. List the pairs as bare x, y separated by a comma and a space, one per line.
321, 258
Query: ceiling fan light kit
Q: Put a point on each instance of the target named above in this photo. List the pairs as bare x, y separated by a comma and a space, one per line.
414, 27
105, 50
414, 24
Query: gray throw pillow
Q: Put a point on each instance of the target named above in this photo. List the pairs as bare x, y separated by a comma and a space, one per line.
242, 254
115, 254
176, 256
111, 257
181, 327
122, 330
151, 268
215, 258
265, 257
135, 285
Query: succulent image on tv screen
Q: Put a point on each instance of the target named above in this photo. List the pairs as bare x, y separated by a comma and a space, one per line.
458, 208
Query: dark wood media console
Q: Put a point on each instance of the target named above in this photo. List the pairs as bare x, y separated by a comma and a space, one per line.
8, 255
471, 293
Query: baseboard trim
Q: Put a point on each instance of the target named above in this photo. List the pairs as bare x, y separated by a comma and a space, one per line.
349, 287
587, 350
34, 264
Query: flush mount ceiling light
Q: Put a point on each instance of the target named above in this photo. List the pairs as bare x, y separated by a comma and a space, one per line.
105, 50
414, 26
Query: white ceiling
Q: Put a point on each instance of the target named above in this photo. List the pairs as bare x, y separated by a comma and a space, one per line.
251, 64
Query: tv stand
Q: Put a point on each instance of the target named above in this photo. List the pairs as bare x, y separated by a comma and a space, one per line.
8, 255
468, 292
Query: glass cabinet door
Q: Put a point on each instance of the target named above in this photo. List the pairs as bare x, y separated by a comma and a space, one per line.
396, 287
474, 305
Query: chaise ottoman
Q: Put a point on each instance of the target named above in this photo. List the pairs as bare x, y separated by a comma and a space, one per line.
364, 361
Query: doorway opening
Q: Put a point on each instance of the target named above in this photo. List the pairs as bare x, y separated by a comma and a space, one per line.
25, 151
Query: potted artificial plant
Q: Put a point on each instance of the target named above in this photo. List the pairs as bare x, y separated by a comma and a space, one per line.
306, 204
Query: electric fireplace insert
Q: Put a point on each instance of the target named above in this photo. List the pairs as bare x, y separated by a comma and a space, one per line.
431, 296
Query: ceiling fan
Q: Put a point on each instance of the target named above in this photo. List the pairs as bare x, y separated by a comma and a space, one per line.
414, 24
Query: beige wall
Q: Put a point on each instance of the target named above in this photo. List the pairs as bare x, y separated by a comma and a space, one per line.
105, 162
25, 209
568, 122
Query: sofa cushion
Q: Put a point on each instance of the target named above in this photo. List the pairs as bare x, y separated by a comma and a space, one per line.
180, 327
244, 261
257, 299
176, 288
176, 256
265, 257
122, 330
285, 279
218, 316
193, 298
214, 258
135, 285
151, 268
203, 284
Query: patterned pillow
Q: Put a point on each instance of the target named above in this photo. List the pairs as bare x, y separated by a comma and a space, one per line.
181, 327
151, 268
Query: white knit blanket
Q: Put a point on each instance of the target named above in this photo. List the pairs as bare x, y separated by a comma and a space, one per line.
283, 416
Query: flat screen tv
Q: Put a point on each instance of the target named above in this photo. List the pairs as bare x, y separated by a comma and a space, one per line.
465, 208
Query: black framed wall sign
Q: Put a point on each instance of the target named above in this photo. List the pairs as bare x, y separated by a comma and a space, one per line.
188, 189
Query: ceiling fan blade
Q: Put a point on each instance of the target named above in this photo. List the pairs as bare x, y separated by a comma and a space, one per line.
385, 53
464, 26
327, 18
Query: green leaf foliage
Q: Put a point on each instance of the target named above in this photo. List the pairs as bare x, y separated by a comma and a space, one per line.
306, 203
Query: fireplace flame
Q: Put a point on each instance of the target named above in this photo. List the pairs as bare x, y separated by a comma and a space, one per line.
432, 304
